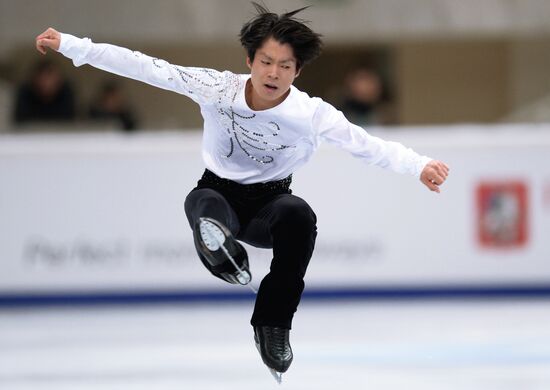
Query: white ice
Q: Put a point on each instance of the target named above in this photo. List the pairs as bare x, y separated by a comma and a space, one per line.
492, 345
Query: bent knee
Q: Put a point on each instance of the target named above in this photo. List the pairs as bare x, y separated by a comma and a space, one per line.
296, 212
203, 197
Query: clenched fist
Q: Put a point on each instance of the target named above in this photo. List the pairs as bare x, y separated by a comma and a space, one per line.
48, 39
434, 174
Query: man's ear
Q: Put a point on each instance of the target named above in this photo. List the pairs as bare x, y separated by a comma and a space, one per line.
297, 73
248, 63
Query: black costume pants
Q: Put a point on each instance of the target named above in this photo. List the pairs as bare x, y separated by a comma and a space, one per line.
264, 215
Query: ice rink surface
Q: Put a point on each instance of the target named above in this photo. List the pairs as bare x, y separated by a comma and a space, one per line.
375, 345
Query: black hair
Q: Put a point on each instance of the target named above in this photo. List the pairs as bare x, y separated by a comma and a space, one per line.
285, 28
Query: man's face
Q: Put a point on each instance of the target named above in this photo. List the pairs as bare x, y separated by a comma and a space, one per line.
272, 73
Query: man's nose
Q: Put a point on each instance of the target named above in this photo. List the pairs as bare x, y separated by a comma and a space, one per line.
273, 72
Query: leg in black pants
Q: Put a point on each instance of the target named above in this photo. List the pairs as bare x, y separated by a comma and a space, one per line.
288, 225
283, 222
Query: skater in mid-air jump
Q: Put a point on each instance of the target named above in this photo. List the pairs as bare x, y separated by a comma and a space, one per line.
258, 130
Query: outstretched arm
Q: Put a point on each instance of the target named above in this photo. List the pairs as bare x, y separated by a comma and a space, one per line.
333, 127
200, 84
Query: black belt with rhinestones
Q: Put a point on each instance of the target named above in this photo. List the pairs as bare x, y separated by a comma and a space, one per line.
211, 179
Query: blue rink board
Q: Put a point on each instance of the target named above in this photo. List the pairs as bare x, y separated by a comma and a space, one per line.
541, 290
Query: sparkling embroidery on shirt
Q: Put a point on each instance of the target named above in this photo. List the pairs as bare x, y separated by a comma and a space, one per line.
200, 81
155, 60
247, 139
188, 77
222, 90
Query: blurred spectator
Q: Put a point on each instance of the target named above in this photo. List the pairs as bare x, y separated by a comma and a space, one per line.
6, 98
46, 96
362, 95
111, 104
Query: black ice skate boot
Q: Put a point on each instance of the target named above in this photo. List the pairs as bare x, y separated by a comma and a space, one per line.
224, 256
274, 347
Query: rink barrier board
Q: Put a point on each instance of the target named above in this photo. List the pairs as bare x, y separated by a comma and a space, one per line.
100, 215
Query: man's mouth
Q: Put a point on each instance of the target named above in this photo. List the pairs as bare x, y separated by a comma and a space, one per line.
270, 87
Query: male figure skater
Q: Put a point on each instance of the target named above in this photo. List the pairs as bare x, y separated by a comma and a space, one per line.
258, 129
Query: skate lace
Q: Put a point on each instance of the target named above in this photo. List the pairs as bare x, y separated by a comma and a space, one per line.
278, 340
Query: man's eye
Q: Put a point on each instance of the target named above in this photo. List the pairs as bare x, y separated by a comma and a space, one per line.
265, 62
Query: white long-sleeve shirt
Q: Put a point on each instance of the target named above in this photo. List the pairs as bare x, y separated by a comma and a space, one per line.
239, 143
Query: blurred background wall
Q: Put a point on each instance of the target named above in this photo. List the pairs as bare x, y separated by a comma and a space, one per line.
441, 61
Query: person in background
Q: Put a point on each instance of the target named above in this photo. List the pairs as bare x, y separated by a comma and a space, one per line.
6, 103
46, 97
111, 104
362, 96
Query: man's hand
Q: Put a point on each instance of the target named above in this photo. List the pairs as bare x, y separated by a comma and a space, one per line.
48, 39
434, 174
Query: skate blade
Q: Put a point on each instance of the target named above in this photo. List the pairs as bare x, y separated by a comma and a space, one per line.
277, 375
243, 277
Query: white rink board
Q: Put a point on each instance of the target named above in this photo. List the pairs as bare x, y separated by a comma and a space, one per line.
98, 212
